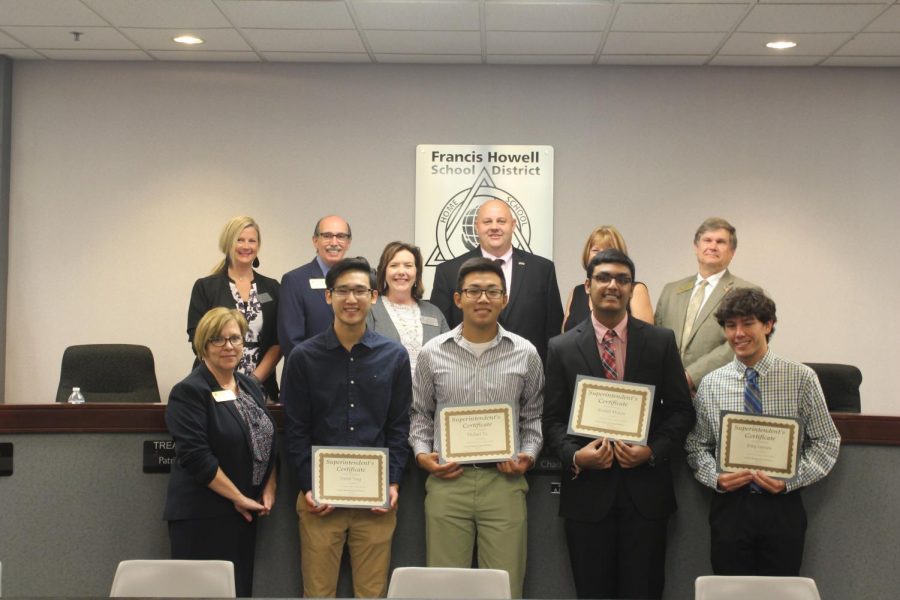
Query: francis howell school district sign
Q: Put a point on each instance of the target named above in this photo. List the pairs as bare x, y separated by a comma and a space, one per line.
451, 183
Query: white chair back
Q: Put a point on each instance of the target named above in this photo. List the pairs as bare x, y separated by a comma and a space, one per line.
739, 587
439, 582
173, 579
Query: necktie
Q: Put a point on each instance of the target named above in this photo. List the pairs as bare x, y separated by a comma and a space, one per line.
608, 355
752, 404
500, 262
691, 315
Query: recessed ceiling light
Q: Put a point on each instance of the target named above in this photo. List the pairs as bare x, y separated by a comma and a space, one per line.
781, 45
187, 39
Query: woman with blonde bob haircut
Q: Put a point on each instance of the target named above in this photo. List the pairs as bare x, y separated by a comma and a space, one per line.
578, 307
224, 475
400, 313
234, 283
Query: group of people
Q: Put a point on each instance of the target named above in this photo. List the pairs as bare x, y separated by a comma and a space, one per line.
369, 363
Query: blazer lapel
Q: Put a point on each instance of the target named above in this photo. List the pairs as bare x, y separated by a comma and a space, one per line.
519, 263
230, 405
715, 298
634, 348
586, 341
680, 305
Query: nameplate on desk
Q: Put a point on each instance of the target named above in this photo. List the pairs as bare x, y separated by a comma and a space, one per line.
158, 456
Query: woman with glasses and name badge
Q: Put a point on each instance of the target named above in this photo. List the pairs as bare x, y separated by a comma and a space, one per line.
400, 313
235, 284
223, 476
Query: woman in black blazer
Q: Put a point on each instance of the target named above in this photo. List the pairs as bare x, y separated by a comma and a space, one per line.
234, 284
224, 472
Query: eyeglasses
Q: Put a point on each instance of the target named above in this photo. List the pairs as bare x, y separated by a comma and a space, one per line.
491, 293
327, 235
605, 278
343, 292
219, 341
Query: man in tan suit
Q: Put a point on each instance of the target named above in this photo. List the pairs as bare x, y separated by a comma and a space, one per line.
688, 306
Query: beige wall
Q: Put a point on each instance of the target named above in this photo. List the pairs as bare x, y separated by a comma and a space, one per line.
123, 174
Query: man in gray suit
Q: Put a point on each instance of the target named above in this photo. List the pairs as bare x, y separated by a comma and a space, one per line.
687, 306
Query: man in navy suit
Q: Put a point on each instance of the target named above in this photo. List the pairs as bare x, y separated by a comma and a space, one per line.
616, 497
534, 310
302, 309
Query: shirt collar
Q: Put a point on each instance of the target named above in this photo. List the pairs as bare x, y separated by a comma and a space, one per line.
713, 280
762, 366
600, 329
507, 256
325, 268
457, 336
331, 339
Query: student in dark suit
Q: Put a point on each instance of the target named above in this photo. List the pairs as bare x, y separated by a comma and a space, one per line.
302, 310
616, 497
224, 473
534, 310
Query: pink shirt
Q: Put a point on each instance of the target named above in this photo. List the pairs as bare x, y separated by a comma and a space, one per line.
620, 342
506, 266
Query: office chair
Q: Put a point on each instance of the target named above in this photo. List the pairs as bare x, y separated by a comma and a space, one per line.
439, 582
109, 373
173, 579
840, 384
740, 587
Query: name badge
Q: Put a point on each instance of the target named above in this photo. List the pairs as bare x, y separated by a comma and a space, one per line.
224, 396
264, 297
317, 284
429, 321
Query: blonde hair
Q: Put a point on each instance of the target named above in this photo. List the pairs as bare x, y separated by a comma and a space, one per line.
212, 324
606, 236
228, 238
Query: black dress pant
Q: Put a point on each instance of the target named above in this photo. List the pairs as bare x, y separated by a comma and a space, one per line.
757, 533
229, 537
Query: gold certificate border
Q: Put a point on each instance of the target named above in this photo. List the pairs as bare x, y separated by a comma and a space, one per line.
585, 384
446, 413
321, 455
792, 426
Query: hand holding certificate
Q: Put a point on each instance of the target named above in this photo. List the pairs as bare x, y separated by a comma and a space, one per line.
761, 443
611, 409
350, 477
472, 434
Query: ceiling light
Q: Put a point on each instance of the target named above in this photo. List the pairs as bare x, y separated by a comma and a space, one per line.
781, 45
187, 39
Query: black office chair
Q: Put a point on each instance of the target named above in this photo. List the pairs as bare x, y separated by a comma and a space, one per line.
840, 383
109, 373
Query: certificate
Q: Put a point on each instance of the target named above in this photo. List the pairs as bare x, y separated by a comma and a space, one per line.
613, 409
759, 443
351, 477
470, 434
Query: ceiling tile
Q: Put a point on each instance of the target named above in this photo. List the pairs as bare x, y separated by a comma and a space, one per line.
809, 18
194, 55
161, 39
540, 59
153, 13
287, 14
92, 38
96, 54
433, 59
871, 44
441, 16
317, 57
304, 40
425, 42
808, 44
653, 59
541, 42
661, 43
546, 16
817, 2
8, 42
764, 61
678, 17
47, 12
23, 54
889, 21
862, 61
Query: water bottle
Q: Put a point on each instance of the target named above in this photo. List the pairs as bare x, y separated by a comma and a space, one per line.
75, 397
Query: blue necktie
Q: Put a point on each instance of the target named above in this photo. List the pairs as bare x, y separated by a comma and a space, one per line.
752, 404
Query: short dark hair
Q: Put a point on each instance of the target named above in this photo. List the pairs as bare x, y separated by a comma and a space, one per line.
479, 265
714, 224
319, 222
610, 255
348, 264
390, 251
747, 302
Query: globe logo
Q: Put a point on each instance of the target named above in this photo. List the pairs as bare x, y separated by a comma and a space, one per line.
469, 235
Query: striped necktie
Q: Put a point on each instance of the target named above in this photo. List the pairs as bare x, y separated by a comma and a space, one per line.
692, 312
608, 355
752, 404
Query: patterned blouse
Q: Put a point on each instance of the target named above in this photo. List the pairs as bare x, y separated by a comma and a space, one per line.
252, 311
407, 319
261, 432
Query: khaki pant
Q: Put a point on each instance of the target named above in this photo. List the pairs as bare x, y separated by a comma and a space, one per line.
367, 534
482, 501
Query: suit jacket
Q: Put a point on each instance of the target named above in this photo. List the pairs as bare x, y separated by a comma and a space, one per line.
302, 311
707, 349
209, 435
379, 321
214, 290
651, 358
534, 310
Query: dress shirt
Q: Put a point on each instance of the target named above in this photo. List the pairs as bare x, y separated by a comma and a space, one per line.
449, 373
358, 398
325, 268
506, 266
713, 281
620, 342
788, 389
